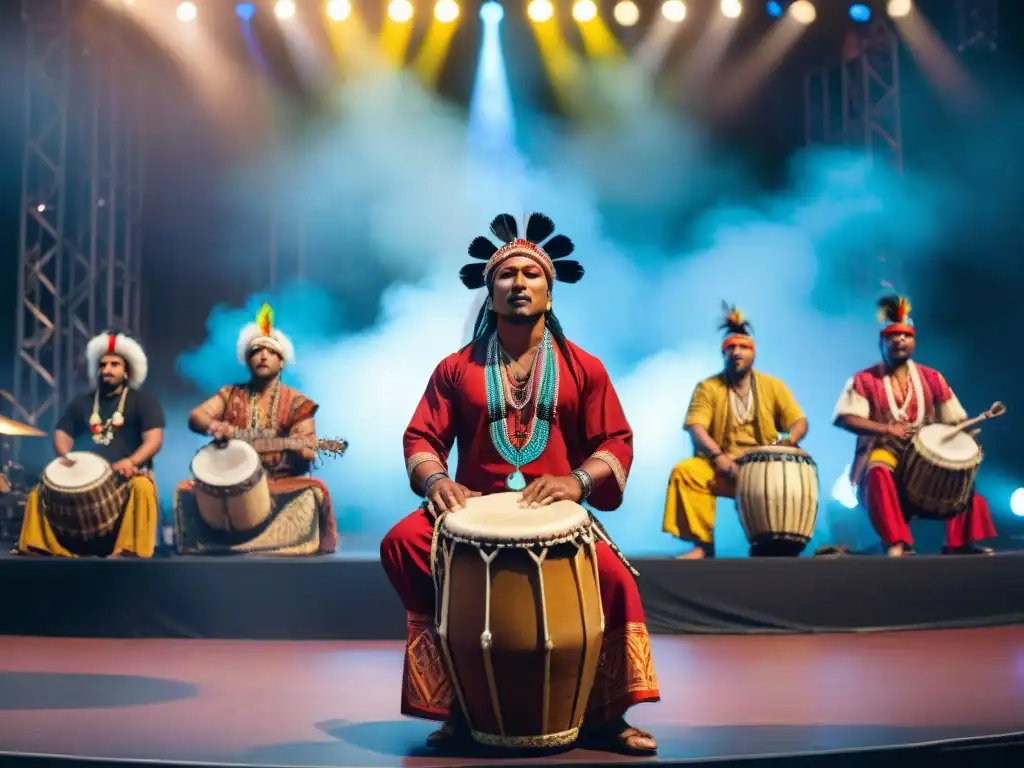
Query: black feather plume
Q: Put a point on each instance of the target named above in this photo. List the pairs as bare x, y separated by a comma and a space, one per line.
558, 247
505, 228
568, 271
472, 276
539, 228
482, 248
888, 307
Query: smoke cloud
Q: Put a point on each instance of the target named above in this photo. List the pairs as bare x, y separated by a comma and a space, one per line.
666, 227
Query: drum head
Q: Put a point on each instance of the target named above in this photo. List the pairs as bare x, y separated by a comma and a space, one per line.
88, 468
499, 518
225, 464
959, 449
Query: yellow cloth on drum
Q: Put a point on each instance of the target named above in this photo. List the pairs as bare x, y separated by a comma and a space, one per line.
136, 532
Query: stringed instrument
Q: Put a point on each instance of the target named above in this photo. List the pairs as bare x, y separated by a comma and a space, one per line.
333, 448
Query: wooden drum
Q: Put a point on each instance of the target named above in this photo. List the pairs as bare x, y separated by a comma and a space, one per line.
231, 487
519, 617
82, 501
777, 498
936, 471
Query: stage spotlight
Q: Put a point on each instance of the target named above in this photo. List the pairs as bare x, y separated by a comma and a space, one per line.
774, 8
187, 11
400, 11
898, 8
843, 490
492, 12
860, 13
626, 13
245, 11
673, 10
731, 9
584, 11
1017, 502
540, 10
339, 10
284, 9
803, 11
446, 11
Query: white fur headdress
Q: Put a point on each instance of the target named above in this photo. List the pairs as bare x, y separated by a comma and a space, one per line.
262, 333
125, 347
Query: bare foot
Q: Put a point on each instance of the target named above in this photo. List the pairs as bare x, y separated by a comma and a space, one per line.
619, 736
697, 553
896, 550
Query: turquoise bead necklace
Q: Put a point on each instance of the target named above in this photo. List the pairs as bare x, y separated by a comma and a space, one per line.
544, 412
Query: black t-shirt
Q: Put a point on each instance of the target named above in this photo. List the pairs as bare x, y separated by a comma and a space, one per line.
141, 413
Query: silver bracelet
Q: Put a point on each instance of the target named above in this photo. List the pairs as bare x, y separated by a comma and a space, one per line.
431, 479
586, 482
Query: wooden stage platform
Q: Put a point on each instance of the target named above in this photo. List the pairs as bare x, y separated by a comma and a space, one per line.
323, 703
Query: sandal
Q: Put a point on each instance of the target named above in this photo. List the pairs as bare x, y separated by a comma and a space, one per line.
619, 736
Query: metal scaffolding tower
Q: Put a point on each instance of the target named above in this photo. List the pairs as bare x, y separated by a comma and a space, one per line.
79, 247
977, 25
855, 102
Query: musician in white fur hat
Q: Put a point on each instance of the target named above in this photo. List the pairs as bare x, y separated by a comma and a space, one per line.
123, 424
252, 411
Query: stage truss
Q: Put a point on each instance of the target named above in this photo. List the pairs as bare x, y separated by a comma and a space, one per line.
977, 25
81, 205
855, 102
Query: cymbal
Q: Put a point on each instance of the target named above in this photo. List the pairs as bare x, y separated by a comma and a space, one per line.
17, 429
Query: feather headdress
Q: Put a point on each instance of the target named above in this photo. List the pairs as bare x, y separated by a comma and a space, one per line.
736, 326
538, 244
125, 347
894, 314
262, 333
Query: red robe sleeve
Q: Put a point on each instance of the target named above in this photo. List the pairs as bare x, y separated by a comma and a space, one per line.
607, 435
434, 425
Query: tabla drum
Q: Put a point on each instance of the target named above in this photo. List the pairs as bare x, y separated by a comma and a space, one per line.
231, 487
777, 499
519, 617
82, 501
935, 475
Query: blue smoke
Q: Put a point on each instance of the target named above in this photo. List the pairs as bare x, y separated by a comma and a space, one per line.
666, 228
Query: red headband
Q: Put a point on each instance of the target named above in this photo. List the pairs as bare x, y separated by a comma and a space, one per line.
520, 247
894, 328
737, 340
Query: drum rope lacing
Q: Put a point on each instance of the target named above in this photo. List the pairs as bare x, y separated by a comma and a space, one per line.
544, 412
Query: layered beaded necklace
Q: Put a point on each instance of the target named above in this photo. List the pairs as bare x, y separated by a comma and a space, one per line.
103, 431
258, 421
499, 399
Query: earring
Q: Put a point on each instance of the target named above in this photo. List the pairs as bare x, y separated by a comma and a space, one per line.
549, 305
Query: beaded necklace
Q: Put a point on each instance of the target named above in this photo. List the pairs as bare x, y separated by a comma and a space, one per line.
269, 421
103, 431
544, 413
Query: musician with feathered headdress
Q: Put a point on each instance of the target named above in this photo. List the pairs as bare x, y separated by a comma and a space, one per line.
884, 405
529, 412
729, 413
125, 425
262, 411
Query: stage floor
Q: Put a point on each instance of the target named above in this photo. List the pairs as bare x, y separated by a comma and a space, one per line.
318, 703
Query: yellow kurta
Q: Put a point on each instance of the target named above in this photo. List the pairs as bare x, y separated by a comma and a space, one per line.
694, 486
135, 534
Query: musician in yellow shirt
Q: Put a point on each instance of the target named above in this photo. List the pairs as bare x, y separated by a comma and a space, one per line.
730, 413
249, 412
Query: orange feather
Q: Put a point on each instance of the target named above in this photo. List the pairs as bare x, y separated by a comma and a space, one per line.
265, 319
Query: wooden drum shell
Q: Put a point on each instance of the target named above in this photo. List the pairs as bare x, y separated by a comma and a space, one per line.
932, 487
517, 690
777, 497
88, 512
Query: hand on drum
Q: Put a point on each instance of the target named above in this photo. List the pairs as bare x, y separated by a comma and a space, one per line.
447, 496
548, 489
67, 461
124, 468
220, 430
725, 465
901, 430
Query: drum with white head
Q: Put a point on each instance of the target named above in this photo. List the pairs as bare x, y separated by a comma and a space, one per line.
231, 487
519, 617
777, 499
81, 496
936, 471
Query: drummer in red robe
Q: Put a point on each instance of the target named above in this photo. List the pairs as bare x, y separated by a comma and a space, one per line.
513, 434
884, 405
